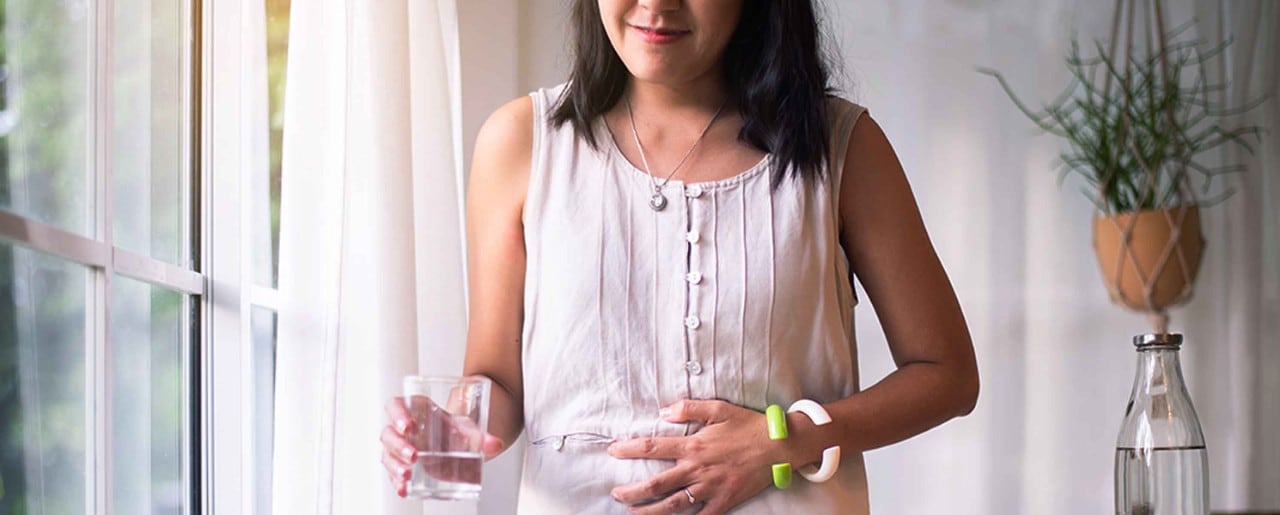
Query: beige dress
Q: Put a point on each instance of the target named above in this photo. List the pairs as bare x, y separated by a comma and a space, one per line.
734, 291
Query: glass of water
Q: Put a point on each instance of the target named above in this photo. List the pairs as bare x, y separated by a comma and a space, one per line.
450, 417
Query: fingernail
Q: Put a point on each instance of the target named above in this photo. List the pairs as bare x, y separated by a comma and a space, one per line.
407, 452
402, 425
665, 413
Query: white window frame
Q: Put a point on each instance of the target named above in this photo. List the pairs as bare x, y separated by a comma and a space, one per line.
220, 474
230, 482
103, 260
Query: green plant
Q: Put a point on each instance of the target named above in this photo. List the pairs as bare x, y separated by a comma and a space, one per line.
1137, 138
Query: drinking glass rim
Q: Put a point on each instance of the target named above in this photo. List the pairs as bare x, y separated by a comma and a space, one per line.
442, 379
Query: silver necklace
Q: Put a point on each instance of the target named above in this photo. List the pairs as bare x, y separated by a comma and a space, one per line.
657, 200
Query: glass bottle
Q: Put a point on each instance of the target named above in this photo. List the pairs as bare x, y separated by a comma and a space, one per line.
1161, 466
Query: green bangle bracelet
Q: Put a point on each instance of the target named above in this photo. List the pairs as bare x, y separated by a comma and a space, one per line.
777, 419
777, 422
782, 475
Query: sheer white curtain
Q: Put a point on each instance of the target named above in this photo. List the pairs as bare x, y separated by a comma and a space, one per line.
371, 262
1055, 356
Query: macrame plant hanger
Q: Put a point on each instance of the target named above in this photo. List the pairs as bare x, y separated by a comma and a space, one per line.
1170, 264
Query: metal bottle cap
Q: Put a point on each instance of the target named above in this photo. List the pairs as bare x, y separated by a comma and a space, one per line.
1157, 339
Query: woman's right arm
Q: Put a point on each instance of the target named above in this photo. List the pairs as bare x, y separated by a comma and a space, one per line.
495, 249
496, 264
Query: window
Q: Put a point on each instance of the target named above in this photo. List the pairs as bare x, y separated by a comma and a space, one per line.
100, 288
265, 251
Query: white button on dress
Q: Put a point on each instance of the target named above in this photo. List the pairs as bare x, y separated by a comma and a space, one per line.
692, 322
736, 291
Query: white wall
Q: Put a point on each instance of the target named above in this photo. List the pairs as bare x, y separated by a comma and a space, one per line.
1055, 359
544, 50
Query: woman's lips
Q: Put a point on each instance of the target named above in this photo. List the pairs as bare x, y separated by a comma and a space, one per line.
659, 36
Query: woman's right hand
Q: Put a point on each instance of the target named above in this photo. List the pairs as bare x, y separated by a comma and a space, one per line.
400, 434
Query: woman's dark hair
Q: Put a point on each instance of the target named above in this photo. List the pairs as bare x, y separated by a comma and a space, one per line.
774, 69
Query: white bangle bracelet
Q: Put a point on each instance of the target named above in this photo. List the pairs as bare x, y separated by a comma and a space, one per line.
830, 456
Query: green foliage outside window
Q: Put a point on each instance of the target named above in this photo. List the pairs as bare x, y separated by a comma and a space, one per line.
39, 70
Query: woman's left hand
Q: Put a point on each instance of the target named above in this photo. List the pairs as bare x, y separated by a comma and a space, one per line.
725, 463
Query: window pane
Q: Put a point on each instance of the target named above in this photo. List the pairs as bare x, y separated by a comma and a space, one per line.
44, 93
266, 259
42, 383
264, 383
148, 171
149, 434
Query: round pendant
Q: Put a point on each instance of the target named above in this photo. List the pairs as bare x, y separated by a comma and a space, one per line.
657, 201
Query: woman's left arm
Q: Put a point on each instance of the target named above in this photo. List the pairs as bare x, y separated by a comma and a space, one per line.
890, 252
936, 379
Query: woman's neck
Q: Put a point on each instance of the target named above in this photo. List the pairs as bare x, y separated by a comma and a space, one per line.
695, 98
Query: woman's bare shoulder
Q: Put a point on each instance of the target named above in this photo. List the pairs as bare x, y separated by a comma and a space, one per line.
505, 141
502, 159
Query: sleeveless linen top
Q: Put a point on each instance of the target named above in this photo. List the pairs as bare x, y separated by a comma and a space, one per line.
734, 292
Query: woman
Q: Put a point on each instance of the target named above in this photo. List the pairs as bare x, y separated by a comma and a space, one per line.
664, 246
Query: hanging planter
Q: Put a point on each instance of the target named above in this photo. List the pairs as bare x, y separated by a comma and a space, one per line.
1149, 259
1137, 124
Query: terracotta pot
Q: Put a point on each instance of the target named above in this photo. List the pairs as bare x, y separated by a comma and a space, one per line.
1159, 267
